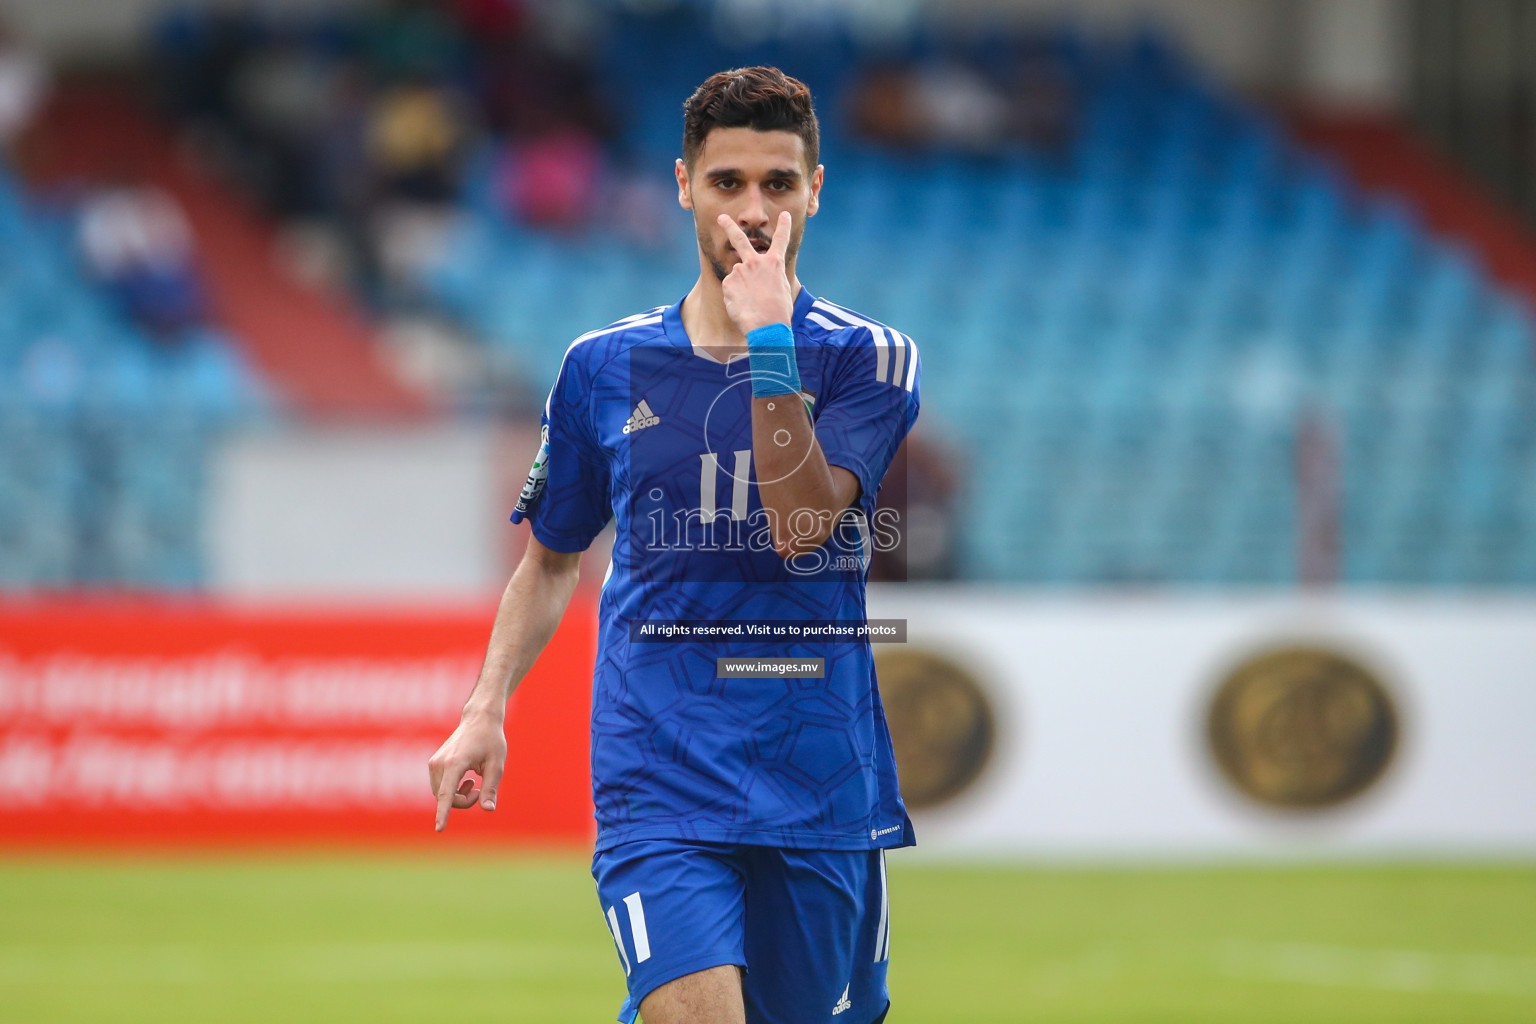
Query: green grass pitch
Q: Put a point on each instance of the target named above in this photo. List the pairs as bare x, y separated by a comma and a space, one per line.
377, 940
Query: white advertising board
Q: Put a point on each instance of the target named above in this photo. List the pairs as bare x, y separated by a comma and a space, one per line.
1103, 741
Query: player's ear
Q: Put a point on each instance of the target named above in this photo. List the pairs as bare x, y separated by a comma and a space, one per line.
815, 203
683, 198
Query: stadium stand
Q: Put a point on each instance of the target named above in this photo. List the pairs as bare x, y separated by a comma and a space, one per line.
1167, 345
315, 349
104, 432
1124, 341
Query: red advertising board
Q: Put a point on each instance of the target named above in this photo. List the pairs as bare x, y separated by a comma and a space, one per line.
163, 724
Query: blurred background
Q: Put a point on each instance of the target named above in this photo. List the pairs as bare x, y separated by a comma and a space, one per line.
1219, 522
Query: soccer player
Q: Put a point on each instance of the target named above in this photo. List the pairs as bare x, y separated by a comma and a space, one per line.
738, 438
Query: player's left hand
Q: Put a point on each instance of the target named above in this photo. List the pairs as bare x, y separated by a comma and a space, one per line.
479, 744
757, 289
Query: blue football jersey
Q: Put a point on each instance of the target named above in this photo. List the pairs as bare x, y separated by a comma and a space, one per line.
644, 429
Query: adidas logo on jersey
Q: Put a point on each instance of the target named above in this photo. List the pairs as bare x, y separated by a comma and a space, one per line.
641, 418
843, 1003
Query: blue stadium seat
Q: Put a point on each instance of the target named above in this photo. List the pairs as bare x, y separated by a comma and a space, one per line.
75, 381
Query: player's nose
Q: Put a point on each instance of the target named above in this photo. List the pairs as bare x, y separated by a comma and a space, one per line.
754, 214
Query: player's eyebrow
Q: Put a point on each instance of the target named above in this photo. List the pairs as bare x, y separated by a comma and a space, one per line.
777, 173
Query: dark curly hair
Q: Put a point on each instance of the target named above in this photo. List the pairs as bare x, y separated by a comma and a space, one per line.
763, 99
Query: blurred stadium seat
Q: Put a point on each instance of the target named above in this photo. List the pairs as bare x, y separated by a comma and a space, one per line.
104, 432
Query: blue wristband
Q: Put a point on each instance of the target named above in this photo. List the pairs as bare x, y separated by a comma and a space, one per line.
771, 350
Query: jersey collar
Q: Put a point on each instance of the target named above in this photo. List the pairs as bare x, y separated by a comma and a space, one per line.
672, 320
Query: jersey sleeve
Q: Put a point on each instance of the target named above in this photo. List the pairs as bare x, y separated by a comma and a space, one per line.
565, 498
871, 404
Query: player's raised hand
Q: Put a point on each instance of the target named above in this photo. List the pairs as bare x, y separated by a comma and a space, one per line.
757, 289
479, 744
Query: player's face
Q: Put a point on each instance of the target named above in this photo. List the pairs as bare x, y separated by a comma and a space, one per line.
751, 176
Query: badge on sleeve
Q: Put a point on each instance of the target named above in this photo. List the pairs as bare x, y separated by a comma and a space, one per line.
534, 486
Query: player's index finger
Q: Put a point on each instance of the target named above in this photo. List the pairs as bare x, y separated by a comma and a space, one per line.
738, 237
781, 235
445, 791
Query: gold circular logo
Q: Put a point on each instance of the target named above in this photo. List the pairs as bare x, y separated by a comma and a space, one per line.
1302, 727
941, 724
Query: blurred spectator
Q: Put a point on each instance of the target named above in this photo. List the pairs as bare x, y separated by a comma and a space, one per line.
137, 240
880, 106
552, 181
528, 88
415, 138
24, 82
956, 106
946, 105
197, 57
951, 105
356, 131
342, 187
341, 145
285, 94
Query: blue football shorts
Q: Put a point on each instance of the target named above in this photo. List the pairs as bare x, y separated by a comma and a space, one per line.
810, 927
